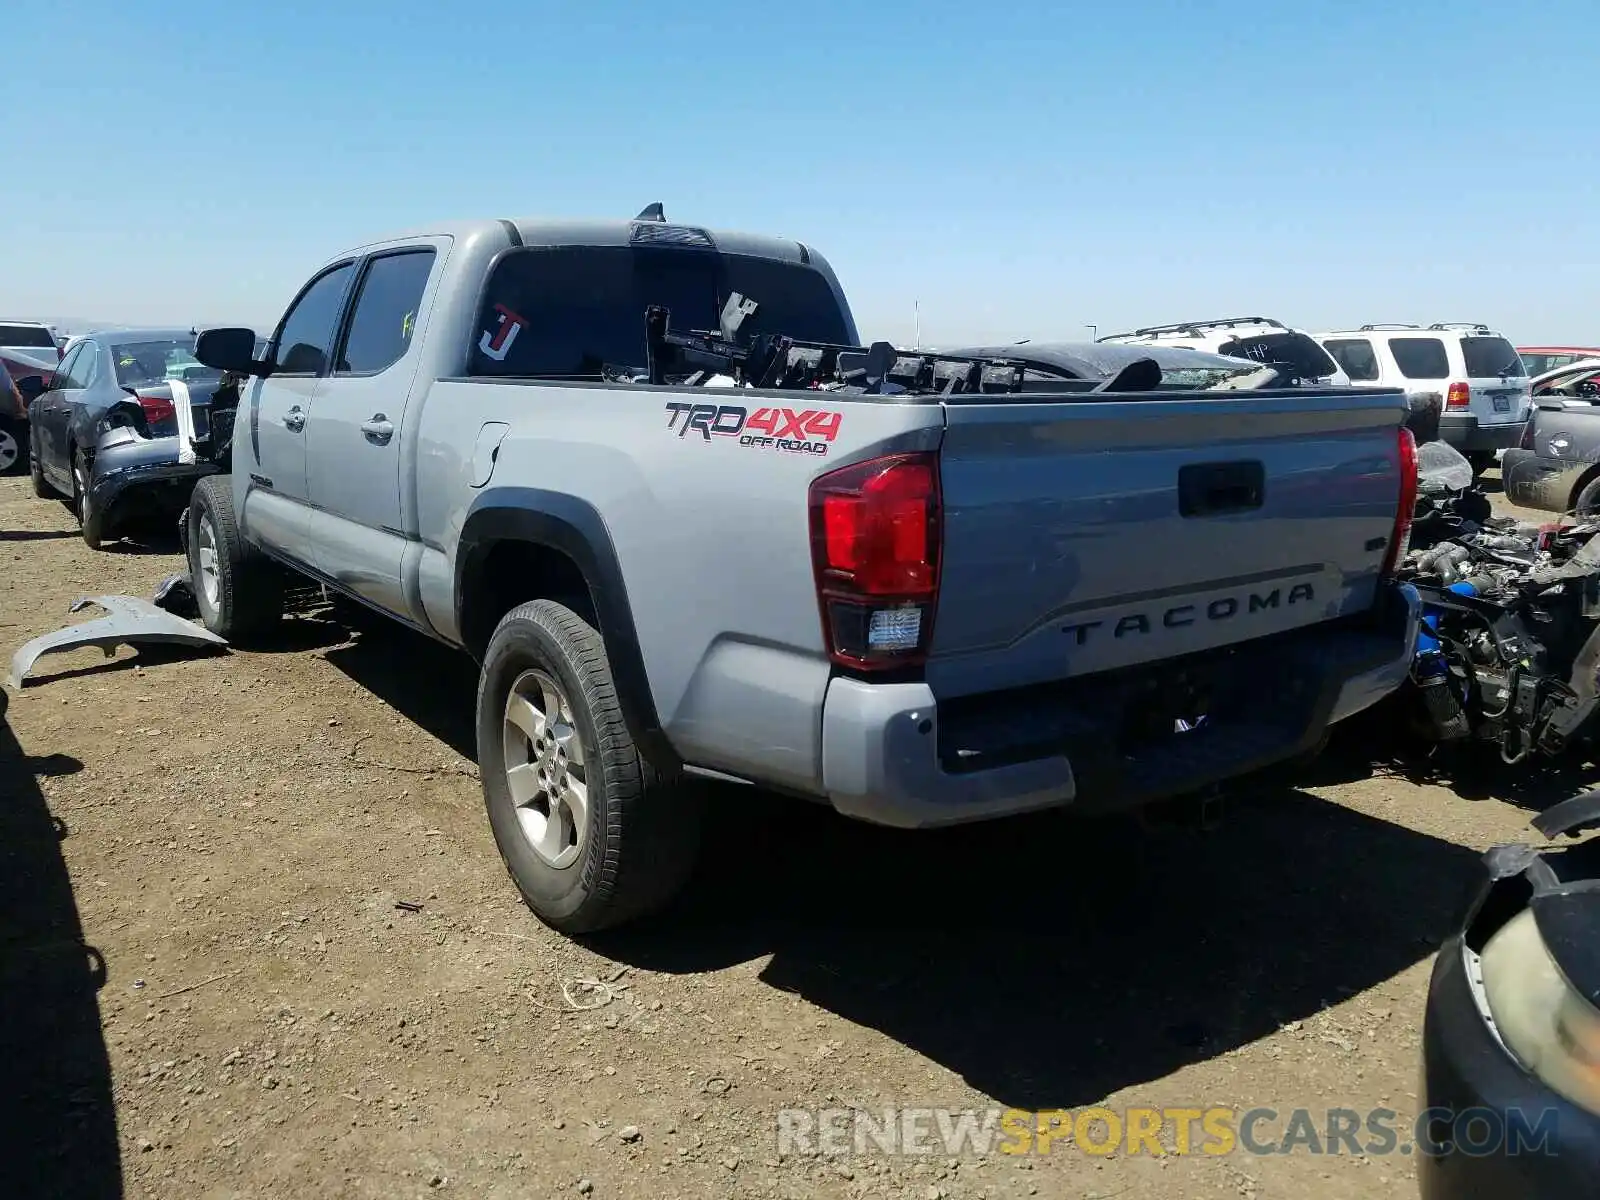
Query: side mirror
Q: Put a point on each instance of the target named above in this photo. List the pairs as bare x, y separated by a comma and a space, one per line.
32, 387
229, 350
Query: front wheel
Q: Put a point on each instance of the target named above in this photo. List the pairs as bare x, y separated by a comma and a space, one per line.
41, 487
10, 449
593, 834
238, 591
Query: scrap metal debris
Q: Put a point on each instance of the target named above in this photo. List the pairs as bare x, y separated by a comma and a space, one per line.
1509, 652
130, 621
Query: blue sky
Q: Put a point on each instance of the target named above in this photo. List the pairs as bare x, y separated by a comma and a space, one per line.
1019, 168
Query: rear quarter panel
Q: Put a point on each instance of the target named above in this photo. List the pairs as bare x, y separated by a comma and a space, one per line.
711, 535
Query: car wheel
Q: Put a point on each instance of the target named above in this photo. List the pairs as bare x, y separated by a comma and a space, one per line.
90, 520
238, 590
593, 834
41, 488
10, 450
1588, 502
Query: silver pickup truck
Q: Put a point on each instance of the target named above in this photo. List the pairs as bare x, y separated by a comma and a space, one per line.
648, 477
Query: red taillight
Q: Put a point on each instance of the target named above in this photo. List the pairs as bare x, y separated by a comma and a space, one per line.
1400, 539
157, 409
876, 529
1459, 396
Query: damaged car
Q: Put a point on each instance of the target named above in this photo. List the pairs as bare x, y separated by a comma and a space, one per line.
123, 428
1556, 468
1509, 650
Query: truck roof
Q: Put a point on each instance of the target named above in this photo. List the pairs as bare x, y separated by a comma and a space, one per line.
555, 231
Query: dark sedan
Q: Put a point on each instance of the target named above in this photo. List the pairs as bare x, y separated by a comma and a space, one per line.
1557, 467
118, 429
1511, 1039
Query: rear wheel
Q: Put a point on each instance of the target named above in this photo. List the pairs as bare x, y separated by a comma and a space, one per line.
593, 834
1587, 503
238, 590
90, 520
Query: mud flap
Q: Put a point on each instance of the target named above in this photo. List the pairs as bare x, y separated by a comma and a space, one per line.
130, 621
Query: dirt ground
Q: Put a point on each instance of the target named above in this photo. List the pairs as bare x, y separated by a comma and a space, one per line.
255, 941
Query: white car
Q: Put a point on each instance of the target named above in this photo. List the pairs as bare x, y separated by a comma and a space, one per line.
1472, 372
1260, 338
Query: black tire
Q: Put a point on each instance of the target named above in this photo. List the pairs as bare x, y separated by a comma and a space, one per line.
11, 450
248, 597
91, 522
1481, 461
1588, 499
641, 830
41, 487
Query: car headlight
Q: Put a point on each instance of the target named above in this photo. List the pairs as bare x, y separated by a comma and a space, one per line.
1547, 1024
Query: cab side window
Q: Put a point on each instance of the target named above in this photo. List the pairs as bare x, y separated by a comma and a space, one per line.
386, 311
305, 342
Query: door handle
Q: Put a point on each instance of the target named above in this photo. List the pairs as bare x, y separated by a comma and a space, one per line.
295, 419
378, 429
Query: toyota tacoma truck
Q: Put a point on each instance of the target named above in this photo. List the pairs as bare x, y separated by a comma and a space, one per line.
689, 527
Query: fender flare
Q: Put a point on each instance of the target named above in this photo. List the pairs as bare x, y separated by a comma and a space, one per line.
562, 522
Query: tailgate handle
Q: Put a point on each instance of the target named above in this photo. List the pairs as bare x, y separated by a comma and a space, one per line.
1212, 489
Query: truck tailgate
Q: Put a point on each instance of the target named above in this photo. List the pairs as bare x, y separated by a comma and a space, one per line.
1083, 536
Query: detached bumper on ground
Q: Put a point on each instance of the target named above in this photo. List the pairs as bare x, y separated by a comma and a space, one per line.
893, 755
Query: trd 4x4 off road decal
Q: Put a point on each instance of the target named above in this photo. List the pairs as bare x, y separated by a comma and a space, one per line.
797, 431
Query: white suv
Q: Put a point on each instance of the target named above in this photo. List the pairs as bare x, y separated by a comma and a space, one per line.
1471, 372
1260, 338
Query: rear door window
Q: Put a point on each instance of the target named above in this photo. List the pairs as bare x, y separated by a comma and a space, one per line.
1490, 357
1356, 356
1420, 357
571, 312
385, 314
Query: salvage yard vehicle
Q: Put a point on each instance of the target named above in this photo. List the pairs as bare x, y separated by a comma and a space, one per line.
1511, 1035
1541, 359
1557, 466
118, 429
689, 528
1509, 651
1261, 339
1468, 368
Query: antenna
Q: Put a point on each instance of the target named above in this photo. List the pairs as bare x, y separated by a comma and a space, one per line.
916, 309
653, 212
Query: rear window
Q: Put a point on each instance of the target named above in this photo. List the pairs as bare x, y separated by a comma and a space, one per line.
1356, 356
140, 363
571, 311
1420, 357
1488, 357
26, 335
1309, 360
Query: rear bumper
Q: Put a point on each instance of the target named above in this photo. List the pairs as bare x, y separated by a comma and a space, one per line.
893, 755
132, 471
1465, 1069
1463, 431
1543, 483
